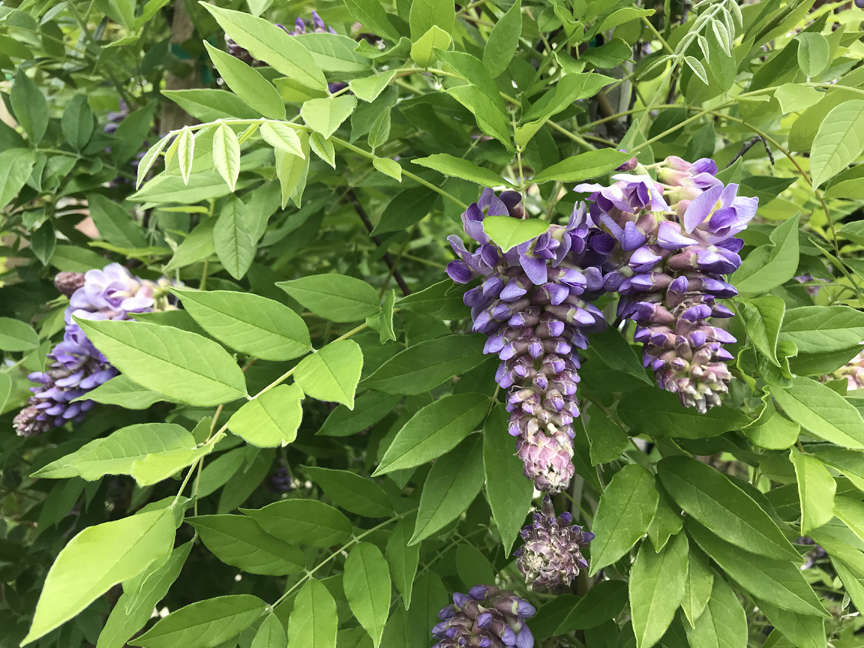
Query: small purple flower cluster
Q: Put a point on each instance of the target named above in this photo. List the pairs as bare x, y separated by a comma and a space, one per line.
533, 306
75, 366
675, 242
486, 617
551, 556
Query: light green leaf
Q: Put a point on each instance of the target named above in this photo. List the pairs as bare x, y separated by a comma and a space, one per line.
769, 266
270, 634
508, 491
763, 317
237, 540
490, 117
249, 323
773, 431
114, 223
796, 97
821, 411
327, 114
234, 238
820, 329
267, 42
503, 41
336, 297
271, 419
723, 624
208, 104
656, 589
29, 106
814, 53
313, 622
302, 521
371, 14
95, 560
839, 141
281, 136
388, 167
403, 558
334, 52
226, 154
425, 14
248, 83
715, 501
16, 335
352, 492
17, 163
509, 232
77, 123
197, 246
624, 512
800, 630
583, 166
367, 587
292, 171
434, 430
184, 366
149, 452
455, 167
204, 624
697, 587
332, 373
452, 484
368, 88
816, 489
666, 523
185, 153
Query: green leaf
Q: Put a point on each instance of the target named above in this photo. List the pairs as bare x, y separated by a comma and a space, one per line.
135, 606
503, 41
473, 566
149, 452
820, 329
452, 484
334, 52
16, 335
95, 560
302, 521
814, 53
77, 123
583, 166
185, 153
769, 266
184, 366
624, 512
773, 431
800, 630
659, 413
197, 246
270, 634
204, 624
30, 107
209, 105
425, 14
332, 373
606, 440
839, 141
16, 164
666, 523
249, 323
434, 430
490, 117
292, 171
763, 317
326, 115
281, 136
723, 624
604, 601
268, 43
821, 411
656, 589
509, 232
508, 491
403, 558
715, 501
368, 88
369, 408
114, 223
371, 14
234, 238
777, 581
237, 540
332, 296
816, 489
698, 587
367, 587
313, 622
455, 167
426, 365
796, 97
256, 91
388, 167
226, 154
271, 419
351, 492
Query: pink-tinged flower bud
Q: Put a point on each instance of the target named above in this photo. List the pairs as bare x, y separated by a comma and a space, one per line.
67, 283
551, 555
853, 372
486, 617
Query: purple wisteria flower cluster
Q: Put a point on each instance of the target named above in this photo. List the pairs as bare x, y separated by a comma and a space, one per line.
75, 366
551, 556
486, 617
533, 306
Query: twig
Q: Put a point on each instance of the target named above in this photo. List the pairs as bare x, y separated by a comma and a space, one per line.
750, 144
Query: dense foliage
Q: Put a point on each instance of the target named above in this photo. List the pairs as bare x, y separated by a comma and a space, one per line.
404, 322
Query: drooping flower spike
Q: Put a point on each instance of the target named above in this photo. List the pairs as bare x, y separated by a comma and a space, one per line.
75, 366
675, 244
551, 554
486, 617
532, 305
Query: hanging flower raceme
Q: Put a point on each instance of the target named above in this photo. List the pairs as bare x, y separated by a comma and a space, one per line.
532, 306
551, 556
486, 617
75, 366
675, 244
853, 372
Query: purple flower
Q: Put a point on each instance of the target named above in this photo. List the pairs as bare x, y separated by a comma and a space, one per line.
75, 366
532, 304
675, 242
551, 556
485, 617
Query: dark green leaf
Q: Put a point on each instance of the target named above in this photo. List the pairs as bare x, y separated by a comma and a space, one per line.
302, 521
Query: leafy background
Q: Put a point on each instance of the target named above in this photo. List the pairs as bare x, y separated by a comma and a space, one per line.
369, 476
